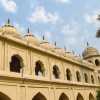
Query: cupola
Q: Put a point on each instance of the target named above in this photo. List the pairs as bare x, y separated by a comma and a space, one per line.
9, 30
92, 55
31, 38
90, 51
45, 44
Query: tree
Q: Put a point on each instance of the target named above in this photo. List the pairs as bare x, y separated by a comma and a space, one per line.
98, 95
98, 34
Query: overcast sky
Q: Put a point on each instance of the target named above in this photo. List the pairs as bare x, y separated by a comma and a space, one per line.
71, 23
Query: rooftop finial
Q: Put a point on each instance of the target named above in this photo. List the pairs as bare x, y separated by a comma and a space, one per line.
55, 43
8, 21
43, 37
65, 48
28, 30
87, 44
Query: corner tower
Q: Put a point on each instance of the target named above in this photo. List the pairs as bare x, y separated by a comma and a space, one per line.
92, 55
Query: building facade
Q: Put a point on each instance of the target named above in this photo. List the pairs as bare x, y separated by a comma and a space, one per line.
31, 69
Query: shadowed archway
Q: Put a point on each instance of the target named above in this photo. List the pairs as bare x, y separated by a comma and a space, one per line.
63, 96
79, 97
4, 97
16, 63
39, 96
91, 97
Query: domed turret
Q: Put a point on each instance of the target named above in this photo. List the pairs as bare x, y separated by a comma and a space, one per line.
45, 44
90, 51
9, 29
92, 55
31, 38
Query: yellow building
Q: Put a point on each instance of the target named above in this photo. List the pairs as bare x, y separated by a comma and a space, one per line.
31, 69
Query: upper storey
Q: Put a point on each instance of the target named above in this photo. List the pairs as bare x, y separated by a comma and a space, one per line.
29, 56
9, 31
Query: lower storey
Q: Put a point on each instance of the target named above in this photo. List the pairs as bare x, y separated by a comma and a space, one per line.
40, 91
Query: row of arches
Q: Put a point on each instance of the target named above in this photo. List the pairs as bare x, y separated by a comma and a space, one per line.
17, 64
63, 96
40, 96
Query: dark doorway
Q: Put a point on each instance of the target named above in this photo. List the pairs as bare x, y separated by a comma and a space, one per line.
4, 97
39, 96
63, 97
79, 97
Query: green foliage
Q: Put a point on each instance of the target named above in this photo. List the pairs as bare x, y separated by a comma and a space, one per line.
98, 95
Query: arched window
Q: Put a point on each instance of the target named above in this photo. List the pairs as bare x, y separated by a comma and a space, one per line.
39, 96
97, 63
86, 77
63, 96
16, 63
79, 97
56, 72
92, 79
78, 76
39, 68
68, 74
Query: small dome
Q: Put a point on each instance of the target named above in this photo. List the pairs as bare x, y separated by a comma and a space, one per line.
8, 29
90, 51
45, 44
31, 38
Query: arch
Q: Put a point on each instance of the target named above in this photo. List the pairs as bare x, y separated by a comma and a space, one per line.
78, 76
16, 63
39, 68
91, 97
68, 74
92, 79
39, 96
56, 72
79, 97
97, 62
86, 77
63, 96
4, 97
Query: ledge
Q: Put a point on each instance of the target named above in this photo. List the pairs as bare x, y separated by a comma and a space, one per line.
12, 77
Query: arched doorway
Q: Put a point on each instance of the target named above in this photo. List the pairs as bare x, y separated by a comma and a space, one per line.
91, 97
79, 97
4, 97
63, 97
39, 96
